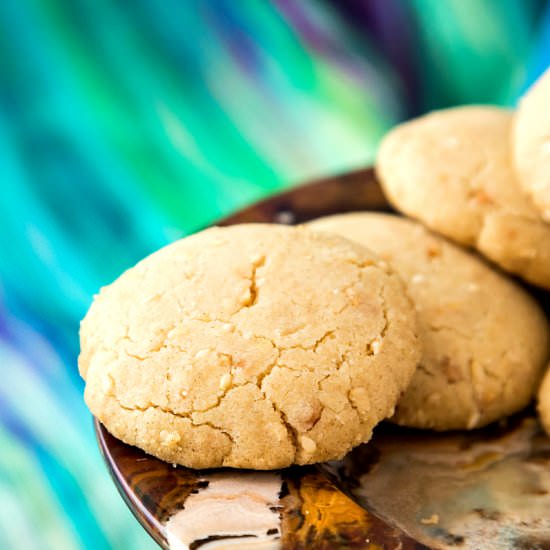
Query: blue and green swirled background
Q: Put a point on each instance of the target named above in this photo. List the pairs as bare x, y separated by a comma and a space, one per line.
125, 125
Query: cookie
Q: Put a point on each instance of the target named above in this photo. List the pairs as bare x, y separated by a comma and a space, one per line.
485, 340
251, 346
532, 144
453, 170
543, 404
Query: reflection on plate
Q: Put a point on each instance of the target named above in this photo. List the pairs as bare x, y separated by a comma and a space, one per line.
489, 489
230, 509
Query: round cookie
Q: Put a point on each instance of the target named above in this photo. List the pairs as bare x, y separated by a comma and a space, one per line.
251, 346
532, 144
543, 402
485, 340
453, 171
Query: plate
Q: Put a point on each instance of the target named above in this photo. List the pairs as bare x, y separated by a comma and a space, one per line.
404, 490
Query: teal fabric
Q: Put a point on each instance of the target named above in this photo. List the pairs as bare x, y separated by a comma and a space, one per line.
126, 125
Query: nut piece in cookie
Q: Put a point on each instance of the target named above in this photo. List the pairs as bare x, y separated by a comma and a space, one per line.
250, 346
485, 340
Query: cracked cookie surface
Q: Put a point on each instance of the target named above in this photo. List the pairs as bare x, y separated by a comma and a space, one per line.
532, 144
251, 346
453, 170
485, 340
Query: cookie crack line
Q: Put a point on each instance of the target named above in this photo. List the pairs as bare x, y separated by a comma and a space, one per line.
475, 398
173, 413
290, 430
269, 369
313, 347
362, 266
384, 312
254, 289
354, 406
167, 410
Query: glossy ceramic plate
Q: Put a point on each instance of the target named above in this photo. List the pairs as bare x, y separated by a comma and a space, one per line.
404, 490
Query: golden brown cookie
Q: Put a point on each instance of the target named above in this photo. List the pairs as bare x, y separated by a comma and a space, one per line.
543, 403
485, 340
252, 346
532, 144
453, 170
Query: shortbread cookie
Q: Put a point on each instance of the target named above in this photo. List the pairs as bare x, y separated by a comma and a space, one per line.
543, 404
252, 346
532, 144
453, 171
485, 340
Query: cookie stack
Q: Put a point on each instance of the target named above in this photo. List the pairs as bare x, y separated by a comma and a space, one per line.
261, 346
480, 176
